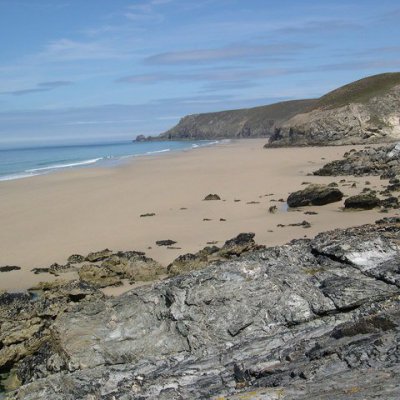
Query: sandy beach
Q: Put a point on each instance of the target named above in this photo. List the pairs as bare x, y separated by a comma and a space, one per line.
45, 219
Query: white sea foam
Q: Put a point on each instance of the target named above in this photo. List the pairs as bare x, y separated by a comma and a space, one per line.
58, 166
158, 151
17, 176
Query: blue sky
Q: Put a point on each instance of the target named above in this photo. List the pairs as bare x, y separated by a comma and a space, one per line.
74, 70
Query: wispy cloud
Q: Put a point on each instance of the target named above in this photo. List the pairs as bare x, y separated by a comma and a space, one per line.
146, 11
322, 26
64, 50
232, 52
40, 87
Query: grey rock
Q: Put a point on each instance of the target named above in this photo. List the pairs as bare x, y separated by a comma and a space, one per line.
314, 319
366, 162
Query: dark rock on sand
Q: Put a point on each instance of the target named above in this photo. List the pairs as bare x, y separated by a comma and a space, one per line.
98, 255
75, 259
38, 271
316, 195
167, 242
364, 201
315, 319
390, 202
304, 224
147, 215
8, 268
212, 197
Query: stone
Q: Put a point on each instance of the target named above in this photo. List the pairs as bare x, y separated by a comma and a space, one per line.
9, 268
364, 201
167, 242
76, 259
98, 255
98, 276
212, 197
316, 195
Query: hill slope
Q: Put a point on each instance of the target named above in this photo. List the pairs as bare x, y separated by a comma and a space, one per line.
250, 122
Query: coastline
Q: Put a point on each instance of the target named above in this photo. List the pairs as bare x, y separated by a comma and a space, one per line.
47, 218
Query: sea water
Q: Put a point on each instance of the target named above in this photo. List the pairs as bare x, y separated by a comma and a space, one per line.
18, 163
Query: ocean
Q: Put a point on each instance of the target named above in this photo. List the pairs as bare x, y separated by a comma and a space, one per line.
22, 163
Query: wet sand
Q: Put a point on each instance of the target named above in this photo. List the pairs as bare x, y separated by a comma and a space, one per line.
45, 219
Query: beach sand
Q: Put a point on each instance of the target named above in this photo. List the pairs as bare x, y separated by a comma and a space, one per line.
45, 219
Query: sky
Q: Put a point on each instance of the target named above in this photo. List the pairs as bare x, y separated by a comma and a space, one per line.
107, 70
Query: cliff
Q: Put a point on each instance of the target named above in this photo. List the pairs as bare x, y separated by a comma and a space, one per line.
245, 123
365, 111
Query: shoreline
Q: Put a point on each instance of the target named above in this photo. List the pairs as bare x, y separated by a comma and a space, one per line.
50, 217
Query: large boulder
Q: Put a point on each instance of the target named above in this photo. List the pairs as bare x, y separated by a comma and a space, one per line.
314, 195
363, 201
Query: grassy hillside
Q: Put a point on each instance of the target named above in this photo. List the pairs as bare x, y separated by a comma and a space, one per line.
254, 122
359, 91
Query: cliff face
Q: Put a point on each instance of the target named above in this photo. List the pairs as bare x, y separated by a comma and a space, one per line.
245, 123
365, 111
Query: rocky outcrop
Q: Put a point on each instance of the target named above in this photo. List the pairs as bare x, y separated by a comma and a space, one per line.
314, 195
381, 161
232, 248
244, 123
365, 111
309, 320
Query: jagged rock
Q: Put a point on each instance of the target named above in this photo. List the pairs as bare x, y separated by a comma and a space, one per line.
366, 201
212, 197
98, 276
369, 161
309, 320
25, 322
244, 242
57, 269
316, 195
98, 255
76, 259
134, 265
